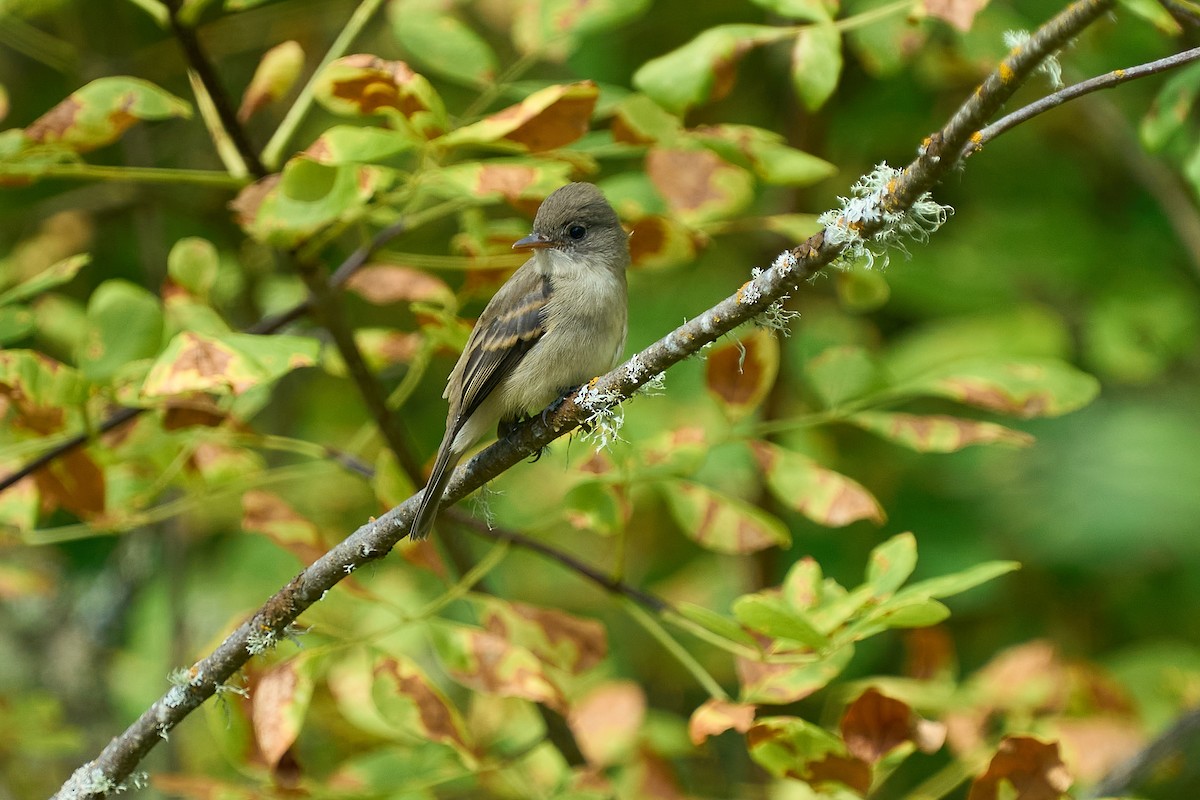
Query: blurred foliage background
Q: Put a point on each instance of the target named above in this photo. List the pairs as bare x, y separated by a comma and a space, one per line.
1073, 250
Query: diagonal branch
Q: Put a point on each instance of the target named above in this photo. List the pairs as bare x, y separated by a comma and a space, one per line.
376, 538
199, 62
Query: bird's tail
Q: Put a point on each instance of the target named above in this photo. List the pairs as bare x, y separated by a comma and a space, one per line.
443, 466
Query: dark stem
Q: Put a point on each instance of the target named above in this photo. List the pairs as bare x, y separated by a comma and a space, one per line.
1169, 743
199, 62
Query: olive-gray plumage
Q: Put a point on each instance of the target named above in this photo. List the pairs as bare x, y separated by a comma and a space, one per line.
559, 321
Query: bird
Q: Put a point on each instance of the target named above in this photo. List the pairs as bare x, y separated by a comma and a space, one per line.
559, 321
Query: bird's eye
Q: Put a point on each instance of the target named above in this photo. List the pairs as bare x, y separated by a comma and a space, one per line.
576, 232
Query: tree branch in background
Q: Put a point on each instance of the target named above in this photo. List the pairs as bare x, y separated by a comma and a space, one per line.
200, 64
1105, 81
861, 220
329, 315
1170, 742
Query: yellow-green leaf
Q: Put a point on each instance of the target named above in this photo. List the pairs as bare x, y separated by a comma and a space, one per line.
548, 119
274, 77
720, 522
824, 496
442, 43
97, 114
124, 323
1025, 388
937, 433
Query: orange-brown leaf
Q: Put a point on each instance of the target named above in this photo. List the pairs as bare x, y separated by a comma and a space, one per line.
740, 374
382, 284
73, 481
606, 722
849, 771
1032, 767
715, 717
959, 13
278, 702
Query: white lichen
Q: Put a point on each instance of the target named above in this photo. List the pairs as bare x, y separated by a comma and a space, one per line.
260, 641
605, 416
890, 228
654, 386
231, 688
481, 505
1051, 67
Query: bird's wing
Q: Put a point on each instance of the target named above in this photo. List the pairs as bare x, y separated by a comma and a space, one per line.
502, 337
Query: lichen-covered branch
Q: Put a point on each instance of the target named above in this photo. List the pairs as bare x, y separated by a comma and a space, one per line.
886, 207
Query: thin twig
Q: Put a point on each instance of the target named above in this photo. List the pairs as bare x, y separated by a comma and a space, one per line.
1131, 773
606, 582
376, 538
1105, 81
330, 316
202, 66
264, 326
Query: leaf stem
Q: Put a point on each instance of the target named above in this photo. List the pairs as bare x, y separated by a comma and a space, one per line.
272, 154
686, 659
99, 172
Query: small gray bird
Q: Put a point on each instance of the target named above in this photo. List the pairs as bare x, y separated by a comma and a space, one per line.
559, 321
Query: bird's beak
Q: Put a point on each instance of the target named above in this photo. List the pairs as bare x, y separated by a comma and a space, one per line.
534, 241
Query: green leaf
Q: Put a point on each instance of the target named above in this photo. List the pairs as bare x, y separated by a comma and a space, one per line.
1024, 388
229, 364
275, 75
936, 433
764, 152
704, 68
771, 615
566, 642
16, 322
778, 683
1152, 11
363, 85
55, 275
40, 388
891, 563
411, 702
97, 114
861, 289
193, 264
350, 144
782, 745
488, 663
124, 323
958, 582
816, 64
895, 613
514, 179
720, 522
639, 120
442, 43
554, 28
1172, 107
824, 496
284, 210
808, 10
593, 506
547, 119
843, 373
715, 623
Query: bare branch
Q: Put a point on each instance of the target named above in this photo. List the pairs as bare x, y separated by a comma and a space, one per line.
376, 538
202, 66
1171, 742
1105, 81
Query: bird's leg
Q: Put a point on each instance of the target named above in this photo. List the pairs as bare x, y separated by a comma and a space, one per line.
506, 427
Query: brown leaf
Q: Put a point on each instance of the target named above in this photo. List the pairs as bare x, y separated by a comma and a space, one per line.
278, 700
199, 410
1032, 767
268, 514
1030, 675
715, 717
607, 721
245, 205
846, 770
686, 178
875, 724
382, 284
439, 720
740, 374
569, 642
377, 84
959, 13
928, 652
73, 481
1094, 746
